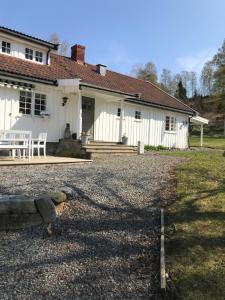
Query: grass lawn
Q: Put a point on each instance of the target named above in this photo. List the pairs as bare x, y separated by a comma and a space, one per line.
212, 142
195, 223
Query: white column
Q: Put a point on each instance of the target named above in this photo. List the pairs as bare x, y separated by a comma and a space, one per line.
79, 115
121, 120
201, 139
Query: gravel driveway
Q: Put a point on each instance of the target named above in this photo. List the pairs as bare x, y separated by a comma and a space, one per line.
106, 242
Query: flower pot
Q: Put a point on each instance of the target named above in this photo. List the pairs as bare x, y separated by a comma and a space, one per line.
125, 140
84, 139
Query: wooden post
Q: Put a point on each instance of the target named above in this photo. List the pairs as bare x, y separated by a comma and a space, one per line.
201, 138
162, 254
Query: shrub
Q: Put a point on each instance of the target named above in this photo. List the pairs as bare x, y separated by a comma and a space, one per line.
155, 148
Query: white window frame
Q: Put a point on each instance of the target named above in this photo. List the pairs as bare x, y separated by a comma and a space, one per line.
40, 98
170, 123
33, 104
7, 47
25, 95
137, 115
30, 53
38, 56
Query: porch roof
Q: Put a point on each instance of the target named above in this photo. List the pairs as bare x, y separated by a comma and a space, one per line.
199, 120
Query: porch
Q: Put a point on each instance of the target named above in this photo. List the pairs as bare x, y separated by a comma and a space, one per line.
48, 160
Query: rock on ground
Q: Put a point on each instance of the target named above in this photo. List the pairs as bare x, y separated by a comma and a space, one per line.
106, 242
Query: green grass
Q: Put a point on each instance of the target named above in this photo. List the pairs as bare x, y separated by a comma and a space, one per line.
195, 223
211, 142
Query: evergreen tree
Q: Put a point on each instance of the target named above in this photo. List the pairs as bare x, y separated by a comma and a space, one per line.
181, 92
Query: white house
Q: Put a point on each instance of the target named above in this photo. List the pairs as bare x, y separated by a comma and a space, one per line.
43, 91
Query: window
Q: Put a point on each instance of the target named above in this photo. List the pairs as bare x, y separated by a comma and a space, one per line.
170, 124
137, 115
118, 112
29, 53
25, 102
40, 104
38, 56
6, 47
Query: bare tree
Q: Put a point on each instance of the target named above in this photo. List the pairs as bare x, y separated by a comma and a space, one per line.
166, 81
63, 45
207, 79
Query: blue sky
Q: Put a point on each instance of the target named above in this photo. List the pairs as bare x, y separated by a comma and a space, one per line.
175, 34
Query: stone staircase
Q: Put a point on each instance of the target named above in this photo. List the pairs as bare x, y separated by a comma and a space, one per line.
98, 149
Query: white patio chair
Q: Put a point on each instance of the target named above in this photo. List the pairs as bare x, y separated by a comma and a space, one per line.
39, 143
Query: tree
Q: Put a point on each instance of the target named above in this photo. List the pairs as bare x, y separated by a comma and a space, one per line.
181, 92
185, 78
166, 81
193, 83
63, 46
175, 81
147, 72
219, 72
207, 78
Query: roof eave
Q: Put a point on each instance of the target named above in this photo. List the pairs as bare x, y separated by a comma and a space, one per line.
29, 38
28, 78
151, 104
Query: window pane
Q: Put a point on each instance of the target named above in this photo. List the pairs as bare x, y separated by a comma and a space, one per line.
167, 123
40, 103
25, 102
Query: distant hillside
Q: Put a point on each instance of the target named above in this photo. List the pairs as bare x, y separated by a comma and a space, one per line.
208, 108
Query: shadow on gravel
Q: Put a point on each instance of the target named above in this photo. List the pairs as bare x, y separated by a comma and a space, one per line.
104, 246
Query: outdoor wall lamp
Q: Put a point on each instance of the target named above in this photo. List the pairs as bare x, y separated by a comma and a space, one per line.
64, 101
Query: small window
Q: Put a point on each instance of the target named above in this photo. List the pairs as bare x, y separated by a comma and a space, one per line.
137, 115
25, 102
6, 47
29, 53
40, 104
118, 112
167, 125
170, 123
38, 56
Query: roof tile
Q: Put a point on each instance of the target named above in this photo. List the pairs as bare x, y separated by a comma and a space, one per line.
62, 67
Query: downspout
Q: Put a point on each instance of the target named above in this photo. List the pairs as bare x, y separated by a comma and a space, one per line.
47, 57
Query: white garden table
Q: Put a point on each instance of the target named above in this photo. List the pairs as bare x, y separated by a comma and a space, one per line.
16, 140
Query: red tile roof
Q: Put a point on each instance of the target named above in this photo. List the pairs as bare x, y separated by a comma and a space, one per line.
65, 68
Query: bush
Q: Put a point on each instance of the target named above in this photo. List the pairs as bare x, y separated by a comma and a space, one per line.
155, 148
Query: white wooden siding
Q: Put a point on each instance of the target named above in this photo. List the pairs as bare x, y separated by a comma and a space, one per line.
54, 125
150, 129
106, 127
18, 47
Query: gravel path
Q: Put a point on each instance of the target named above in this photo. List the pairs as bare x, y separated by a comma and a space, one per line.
105, 245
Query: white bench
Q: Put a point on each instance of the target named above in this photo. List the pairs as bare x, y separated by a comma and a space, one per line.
16, 140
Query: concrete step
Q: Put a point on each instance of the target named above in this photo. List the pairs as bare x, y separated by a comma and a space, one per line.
110, 150
94, 155
109, 147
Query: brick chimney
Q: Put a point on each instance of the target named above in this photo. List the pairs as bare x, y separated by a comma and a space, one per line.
78, 53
